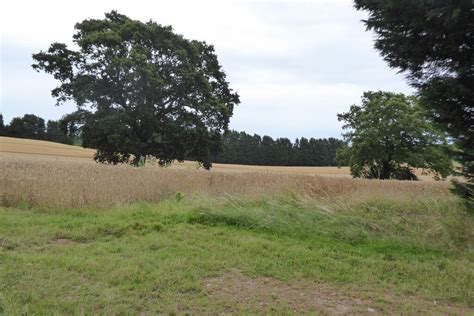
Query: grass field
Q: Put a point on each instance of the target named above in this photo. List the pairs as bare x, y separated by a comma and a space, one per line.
77, 237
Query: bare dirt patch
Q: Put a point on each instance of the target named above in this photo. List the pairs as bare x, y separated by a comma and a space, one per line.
6, 244
236, 291
64, 241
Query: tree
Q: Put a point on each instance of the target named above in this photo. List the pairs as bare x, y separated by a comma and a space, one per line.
388, 136
28, 126
72, 124
284, 152
147, 90
268, 153
304, 152
56, 133
2, 126
432, 42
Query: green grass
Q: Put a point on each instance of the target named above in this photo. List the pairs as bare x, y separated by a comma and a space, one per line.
149, 258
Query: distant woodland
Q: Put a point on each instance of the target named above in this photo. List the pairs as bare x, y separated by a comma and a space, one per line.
245, 149
238, 147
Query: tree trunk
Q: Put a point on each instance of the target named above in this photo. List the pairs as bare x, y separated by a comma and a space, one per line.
136, 160
385, 172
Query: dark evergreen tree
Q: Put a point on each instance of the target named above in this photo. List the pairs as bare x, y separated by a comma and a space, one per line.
268, 154
242, 148
284, 152
3, 132
432, 42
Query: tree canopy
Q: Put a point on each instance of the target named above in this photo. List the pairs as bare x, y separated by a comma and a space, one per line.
246, 149
432, 42
145, 90
28, 126
2, 125
33, 127
388, 136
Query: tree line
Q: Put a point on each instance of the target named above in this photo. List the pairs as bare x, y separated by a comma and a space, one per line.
34, 127
246, 149
238, 147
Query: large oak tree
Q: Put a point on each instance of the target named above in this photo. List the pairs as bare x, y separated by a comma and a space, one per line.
146, 91
388, 136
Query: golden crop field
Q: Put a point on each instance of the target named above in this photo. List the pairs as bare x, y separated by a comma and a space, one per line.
45, 173
42, 149
37, 149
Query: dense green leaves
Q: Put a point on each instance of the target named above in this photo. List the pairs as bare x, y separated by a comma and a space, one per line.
242, 148
33, 127
2, 125
432, 42
28, 126
389, 136
147, 91
55, 132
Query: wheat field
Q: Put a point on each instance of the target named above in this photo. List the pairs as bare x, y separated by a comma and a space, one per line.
43, 149
36, 149
38, 173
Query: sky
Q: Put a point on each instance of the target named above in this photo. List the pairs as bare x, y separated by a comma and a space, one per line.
294, 63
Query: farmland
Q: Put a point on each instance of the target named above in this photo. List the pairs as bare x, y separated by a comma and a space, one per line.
78, 237
43, 150
37, 149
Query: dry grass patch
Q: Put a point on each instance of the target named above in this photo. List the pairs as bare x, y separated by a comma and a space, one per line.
71, 182
236, 292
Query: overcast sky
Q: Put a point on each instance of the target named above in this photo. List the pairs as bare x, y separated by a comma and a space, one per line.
295, 64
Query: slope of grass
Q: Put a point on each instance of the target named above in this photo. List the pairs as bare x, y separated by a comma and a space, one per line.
149, 258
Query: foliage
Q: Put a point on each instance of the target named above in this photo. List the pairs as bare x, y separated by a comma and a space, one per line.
431, 41
242, 148
2, 125
149, 91
389, 136
56, 133
33, 127
72, 124
28, 126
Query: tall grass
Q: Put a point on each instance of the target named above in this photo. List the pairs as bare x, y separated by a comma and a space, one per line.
78, 183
